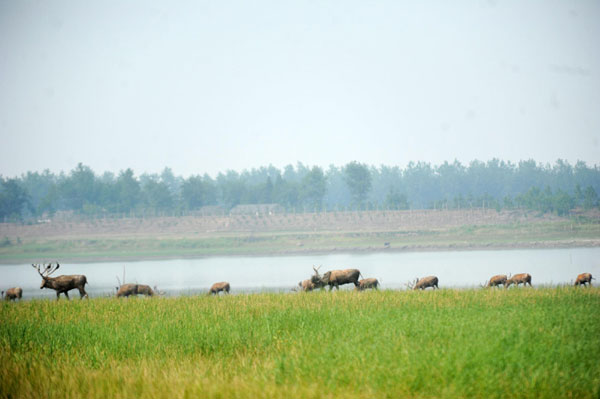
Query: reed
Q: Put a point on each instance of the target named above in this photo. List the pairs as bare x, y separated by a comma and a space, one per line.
444, 343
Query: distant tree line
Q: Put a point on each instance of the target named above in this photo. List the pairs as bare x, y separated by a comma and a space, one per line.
496, 184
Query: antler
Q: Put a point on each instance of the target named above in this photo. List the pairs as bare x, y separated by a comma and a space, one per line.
48, 270
317, 269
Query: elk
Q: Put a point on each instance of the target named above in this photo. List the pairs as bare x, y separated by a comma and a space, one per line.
134, 289
218, 287
583, 279
496, 281
335, 278
62, 284
367, 283
421, 284
13, 294
522, 278
307, 285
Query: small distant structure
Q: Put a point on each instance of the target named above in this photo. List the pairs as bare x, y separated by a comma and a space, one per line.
386, 245
257, 209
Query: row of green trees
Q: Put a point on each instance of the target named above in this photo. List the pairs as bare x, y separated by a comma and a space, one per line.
494, 184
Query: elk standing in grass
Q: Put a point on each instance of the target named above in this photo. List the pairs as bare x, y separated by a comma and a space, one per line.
335, 278
367, 283
13, 294
496, 281
62, 284
522, 278
421, 284
218, 287
583, 279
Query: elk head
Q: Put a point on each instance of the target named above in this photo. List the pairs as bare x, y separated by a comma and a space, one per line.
411, 284
316, 278
48, 270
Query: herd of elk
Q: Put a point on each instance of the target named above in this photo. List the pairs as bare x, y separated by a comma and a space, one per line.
333, 278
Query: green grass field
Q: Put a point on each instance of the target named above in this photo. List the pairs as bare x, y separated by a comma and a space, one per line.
446, 343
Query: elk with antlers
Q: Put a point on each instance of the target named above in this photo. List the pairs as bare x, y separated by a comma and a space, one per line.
13, 294
61, 284
335, 278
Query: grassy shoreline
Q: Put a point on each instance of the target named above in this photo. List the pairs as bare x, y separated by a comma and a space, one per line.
292, 234
447, 343
480, 237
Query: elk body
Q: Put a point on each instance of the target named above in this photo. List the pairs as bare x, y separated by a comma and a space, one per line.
367, 283
583, 279
497, 280
134, 289
522, 278
335, 278
13, 294
307, 285
218, 287
62, 284
429, 281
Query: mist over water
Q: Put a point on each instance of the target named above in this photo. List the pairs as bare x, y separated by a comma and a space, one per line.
456, 269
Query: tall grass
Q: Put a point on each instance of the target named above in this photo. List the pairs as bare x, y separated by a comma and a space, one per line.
447, 343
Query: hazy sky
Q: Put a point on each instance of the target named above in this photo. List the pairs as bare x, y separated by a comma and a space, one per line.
204, 87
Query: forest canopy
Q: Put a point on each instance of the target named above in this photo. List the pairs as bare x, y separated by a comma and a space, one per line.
556, 188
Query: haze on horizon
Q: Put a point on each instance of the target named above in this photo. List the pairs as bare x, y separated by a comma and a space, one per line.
205, 87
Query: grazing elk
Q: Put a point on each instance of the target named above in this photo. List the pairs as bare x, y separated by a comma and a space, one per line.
367, 283
13, 294
583, 279
335, 278
421, 284
496, 281
135, 289
218, 287
62, 284
522, 278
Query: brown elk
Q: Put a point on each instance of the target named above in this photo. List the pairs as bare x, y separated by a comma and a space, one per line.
335, 278
522, 278
13, 294
62, 284
583, 279
134, 289
218, 287
496, 281
307, 285
421, 284
367, 283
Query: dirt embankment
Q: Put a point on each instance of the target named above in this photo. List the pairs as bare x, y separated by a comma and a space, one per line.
191, 226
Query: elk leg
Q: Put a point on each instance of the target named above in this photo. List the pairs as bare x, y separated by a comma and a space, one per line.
67, 295
57, 295
82, 293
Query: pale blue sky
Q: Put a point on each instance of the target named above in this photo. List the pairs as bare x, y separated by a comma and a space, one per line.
203, 87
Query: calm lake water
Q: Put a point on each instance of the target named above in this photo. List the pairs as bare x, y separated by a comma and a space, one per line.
456, 269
